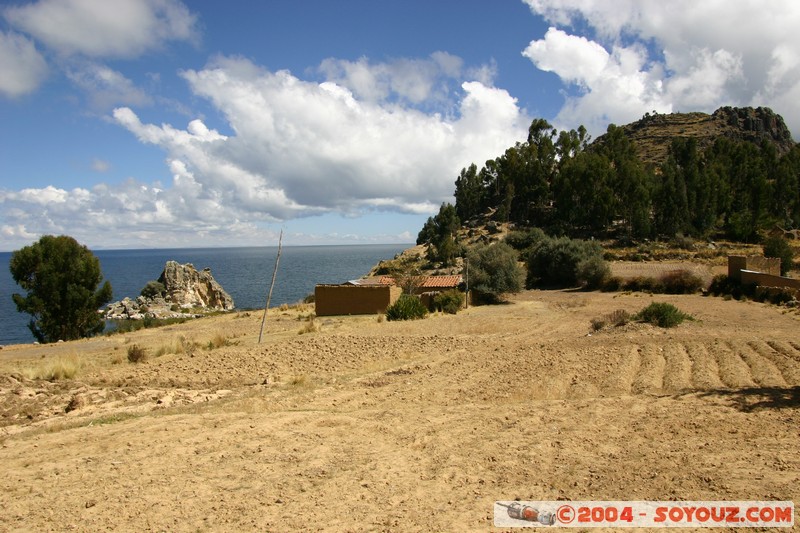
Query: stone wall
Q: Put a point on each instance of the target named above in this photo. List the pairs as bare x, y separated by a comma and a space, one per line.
354, 299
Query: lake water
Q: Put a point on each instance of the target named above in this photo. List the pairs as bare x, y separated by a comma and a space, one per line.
245, 273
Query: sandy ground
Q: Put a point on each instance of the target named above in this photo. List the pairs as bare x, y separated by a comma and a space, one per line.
368, 425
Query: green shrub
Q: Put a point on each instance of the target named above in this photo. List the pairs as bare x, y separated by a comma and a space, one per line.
722, 285
153, 289
681, 282
554, 262
779, 247
407, 307
593, 272
494, 271
662, 314
449, 302
525, 240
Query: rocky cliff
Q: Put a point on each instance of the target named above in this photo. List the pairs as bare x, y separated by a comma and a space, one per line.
653, 134
188, 287
187, 292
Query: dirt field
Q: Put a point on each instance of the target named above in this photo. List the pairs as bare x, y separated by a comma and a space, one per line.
376, 426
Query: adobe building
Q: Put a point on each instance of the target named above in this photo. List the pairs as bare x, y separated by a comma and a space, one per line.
369, 296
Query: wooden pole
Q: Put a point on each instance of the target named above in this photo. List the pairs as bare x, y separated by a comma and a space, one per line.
271, 285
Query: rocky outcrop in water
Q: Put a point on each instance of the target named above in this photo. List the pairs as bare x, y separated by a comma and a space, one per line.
186, 292
188, 287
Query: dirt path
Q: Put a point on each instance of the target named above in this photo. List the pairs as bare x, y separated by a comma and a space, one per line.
377, 426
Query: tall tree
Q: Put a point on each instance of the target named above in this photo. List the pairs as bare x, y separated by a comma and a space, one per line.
631, 182
61, 278
439, 233
470, 193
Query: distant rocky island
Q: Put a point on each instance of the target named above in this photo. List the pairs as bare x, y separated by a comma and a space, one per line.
180, 292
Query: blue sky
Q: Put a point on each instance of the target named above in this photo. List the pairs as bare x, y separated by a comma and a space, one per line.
160, 123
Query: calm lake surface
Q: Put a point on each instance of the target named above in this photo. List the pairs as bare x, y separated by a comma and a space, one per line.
245, 273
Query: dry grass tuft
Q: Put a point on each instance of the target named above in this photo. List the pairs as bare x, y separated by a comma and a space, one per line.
218, 341
137, 354
310, 327
57, 368
617, 318
299, 380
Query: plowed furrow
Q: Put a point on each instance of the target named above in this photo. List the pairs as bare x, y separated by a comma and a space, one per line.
733, 371
705, 371
776, 354
621, 379
677, 368
651, 371
764, 372
787, 349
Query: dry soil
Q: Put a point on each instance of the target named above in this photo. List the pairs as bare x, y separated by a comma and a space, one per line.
367, 425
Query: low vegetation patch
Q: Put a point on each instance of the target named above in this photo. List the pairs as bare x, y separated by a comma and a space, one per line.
137, 354
555, 263
56, 368
729, 289
310, 327
128, 326
450, 302
617, 318
218, 341
662, 314
680, 281
407, 307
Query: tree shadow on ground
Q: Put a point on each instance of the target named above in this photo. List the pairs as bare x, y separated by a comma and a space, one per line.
753, 399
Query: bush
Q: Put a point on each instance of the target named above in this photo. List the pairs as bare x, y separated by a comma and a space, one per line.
554, 262
407, 307
593, 272
722, 285
681, 282
449, 302
153, 289
494, 271
525, 240
779, 247
662, 314
137, 354
643, 284
612, 284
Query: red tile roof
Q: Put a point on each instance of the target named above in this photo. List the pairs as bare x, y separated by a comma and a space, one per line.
429, 282
435, 282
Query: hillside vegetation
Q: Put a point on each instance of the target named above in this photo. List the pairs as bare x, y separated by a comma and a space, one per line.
735, 174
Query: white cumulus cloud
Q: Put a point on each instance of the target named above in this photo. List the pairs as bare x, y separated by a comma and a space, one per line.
681, 55
107, 28
106, 88
22, 67
298, 148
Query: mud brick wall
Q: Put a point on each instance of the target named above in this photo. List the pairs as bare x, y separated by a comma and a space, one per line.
766, 265
768, 280
353, 300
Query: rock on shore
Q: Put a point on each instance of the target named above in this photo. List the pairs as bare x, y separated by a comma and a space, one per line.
186, 290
